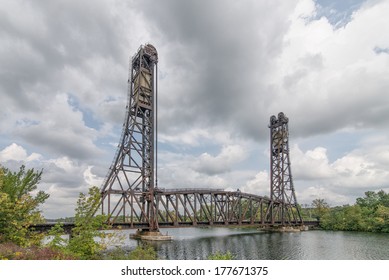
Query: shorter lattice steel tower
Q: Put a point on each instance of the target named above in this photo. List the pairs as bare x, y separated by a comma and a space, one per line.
285, 207
129, 187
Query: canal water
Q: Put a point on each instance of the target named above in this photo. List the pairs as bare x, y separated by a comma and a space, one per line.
251, 244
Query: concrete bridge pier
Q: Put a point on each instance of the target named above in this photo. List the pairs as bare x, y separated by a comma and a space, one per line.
151, 235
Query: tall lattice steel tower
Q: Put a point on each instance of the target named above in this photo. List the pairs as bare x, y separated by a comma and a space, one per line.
281, 181
131, 181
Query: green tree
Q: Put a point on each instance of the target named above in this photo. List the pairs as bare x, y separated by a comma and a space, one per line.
374, 206
88, 238
382, 218
370, 201
320, 208
370, 213
333, 219
19, 208
87, 235
57, 242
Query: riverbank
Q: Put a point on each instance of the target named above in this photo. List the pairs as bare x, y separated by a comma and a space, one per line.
10, 251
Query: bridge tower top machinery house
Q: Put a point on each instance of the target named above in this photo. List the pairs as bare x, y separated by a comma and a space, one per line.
131, 180
281, 181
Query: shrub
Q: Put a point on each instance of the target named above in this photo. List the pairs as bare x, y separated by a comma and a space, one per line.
11, 251
19, 208
221, 256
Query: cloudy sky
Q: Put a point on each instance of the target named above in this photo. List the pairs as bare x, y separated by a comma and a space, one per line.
224, 68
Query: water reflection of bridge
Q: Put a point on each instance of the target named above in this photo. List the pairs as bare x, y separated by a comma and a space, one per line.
244, 244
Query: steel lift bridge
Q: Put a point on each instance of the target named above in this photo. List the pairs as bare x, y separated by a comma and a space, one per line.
130, 195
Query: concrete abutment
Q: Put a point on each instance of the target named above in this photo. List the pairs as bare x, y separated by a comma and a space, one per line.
154, 235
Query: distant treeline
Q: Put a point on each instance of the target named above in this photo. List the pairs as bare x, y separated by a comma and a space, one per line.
369, 213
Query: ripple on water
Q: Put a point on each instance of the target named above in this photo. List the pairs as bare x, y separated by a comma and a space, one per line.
199, 243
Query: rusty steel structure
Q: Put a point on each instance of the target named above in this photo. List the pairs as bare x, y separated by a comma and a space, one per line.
131, 197
131, 179
281, 182
201, 207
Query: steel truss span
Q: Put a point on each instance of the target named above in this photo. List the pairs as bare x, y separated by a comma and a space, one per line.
130, 195
194, 207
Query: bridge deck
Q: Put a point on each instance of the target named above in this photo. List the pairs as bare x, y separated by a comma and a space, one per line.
69, 226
